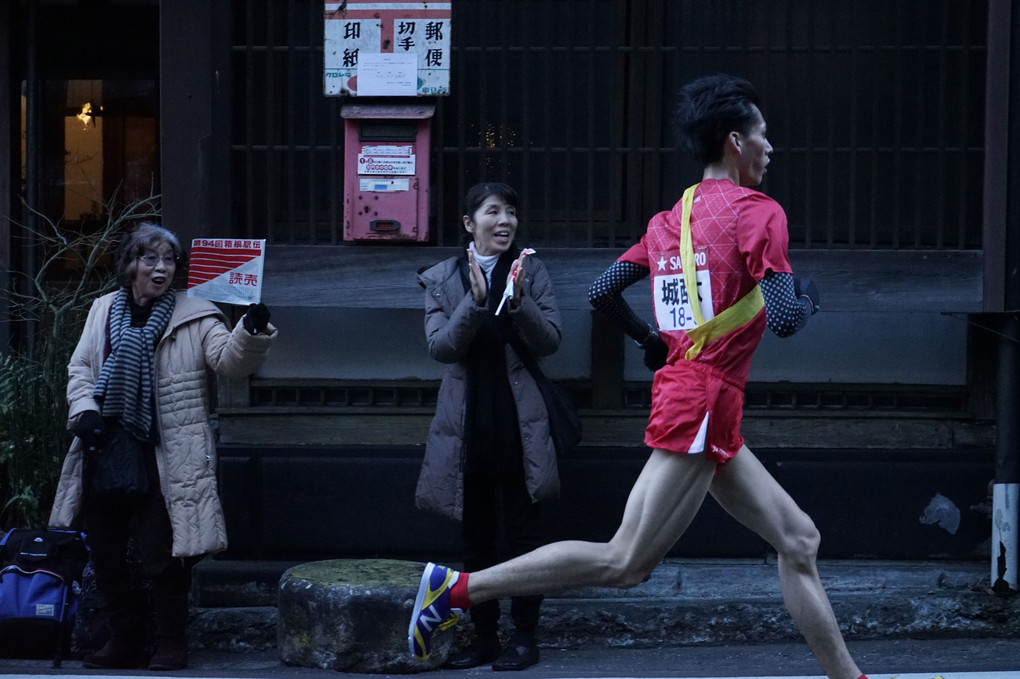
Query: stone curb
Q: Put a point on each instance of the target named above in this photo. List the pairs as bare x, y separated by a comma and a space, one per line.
709, 602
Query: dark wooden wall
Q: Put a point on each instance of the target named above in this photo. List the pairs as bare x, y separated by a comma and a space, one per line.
313, 502
852, 280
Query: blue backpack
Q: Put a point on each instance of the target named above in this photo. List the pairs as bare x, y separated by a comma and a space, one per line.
40, 576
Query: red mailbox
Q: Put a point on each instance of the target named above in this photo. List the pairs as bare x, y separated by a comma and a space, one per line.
386, 171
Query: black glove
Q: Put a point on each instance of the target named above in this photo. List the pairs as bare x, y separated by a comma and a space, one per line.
805, 287
257, 318
655, 351
90, 428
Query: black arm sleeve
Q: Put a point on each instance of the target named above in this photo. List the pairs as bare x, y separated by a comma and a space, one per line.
784, 311
605, 294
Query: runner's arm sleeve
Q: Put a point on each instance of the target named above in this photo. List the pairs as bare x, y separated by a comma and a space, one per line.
605, 294
785, 311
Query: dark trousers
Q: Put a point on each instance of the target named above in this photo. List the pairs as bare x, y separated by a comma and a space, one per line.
109, 525
500, 522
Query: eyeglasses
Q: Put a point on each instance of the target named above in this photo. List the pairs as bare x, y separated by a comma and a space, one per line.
152, 260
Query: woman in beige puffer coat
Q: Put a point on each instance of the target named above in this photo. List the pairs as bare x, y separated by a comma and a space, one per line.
180, 518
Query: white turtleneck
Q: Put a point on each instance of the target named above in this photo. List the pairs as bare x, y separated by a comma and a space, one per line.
486, 262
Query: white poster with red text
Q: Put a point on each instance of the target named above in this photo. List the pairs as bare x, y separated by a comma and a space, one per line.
227, 270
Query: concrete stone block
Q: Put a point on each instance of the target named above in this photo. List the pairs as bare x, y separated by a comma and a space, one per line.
351, 615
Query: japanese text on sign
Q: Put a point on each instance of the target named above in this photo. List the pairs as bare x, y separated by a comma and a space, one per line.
420, 30
372, 164
228, 243
226, 269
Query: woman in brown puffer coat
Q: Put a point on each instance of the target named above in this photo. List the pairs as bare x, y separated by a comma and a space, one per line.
489, 459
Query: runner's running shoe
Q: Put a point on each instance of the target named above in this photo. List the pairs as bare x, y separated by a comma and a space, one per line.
432, 610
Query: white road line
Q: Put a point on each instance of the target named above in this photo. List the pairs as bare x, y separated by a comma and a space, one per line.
909, 675
875, 675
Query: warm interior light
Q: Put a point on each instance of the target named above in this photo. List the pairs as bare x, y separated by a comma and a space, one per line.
86, 115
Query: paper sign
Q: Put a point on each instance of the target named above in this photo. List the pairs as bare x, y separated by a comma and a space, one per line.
374, 164
385, 74
227, 270
384, 185
358, 29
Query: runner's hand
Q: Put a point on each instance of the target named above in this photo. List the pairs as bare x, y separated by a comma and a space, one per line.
655, 351
805, 287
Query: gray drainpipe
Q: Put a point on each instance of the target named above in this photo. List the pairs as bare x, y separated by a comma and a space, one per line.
1006, 489
1002, 276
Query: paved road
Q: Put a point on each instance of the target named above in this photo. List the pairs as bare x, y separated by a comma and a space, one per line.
904, 659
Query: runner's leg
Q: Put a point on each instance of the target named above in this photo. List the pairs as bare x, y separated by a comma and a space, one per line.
666, 496
746, 490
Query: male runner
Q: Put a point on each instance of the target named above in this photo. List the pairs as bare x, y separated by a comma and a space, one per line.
720, 275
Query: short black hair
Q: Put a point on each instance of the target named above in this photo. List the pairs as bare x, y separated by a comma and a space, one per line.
711, 107
477, 194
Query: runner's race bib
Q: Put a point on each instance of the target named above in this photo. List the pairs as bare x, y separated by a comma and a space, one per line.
673, 303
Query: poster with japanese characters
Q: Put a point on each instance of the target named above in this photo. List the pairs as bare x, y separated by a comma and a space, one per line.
387, 48
227, 270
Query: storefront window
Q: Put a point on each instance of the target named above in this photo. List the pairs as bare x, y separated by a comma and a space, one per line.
111, 144
99, 141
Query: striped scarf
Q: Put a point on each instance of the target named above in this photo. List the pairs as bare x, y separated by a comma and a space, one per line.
124, 387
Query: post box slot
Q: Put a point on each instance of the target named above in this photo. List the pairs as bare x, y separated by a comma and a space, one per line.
384, 225
372, 130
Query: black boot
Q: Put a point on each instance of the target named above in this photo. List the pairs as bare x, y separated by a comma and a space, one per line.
521, 653
484, 646
482, 650
171, 654
117, 654
170, 590
125, 646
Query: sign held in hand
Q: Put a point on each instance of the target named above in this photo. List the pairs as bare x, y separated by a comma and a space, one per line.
511, 279
227, 270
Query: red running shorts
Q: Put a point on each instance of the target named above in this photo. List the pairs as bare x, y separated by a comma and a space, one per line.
695, 409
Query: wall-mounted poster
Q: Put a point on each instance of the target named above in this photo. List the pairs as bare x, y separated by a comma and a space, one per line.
387, 48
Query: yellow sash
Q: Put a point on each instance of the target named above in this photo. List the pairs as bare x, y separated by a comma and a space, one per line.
736, 316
